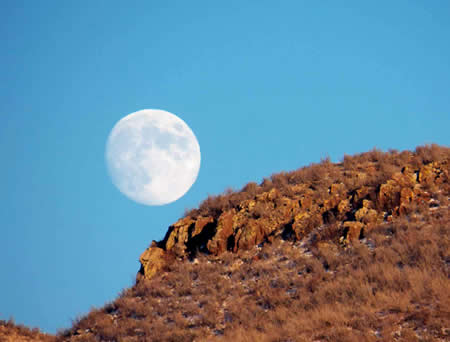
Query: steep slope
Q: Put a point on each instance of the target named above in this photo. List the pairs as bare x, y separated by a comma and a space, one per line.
352, 251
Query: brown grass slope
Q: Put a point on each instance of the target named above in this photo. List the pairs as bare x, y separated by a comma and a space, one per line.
351, 197
11, 332
350, 251
391, 286
354, 251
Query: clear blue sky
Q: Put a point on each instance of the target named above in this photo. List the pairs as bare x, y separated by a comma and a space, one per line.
265, 85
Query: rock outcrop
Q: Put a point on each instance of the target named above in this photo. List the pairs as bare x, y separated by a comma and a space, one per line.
357, 198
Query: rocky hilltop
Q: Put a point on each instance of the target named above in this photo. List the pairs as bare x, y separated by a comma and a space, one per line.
350, 197
349, 251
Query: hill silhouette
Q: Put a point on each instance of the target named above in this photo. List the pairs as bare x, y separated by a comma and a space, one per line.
349, 251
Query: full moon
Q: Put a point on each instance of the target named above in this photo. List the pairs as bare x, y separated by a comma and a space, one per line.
153, 157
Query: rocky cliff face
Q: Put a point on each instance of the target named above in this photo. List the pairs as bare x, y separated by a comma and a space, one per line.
344, 199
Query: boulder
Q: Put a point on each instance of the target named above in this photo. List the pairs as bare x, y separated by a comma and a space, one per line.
389, 195
179, 235
344, 206
152, 260
352, 230
428, 173
367, 215
249, 236
224, 230
304, 222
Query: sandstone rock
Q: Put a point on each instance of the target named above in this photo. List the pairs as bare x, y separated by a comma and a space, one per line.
269, 195
152, 261
331, 202
179, 235
200, 223
398, 193
344, 206
284, 211
367, 204
218, 243
306, 201
407, 170
249, 236
361, 193
300, 220
389, 195
367, 216
261, 210
247, 205
428, 173
305, 221
250, 231
353, 230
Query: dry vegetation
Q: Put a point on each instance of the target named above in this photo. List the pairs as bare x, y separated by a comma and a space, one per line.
11, 332
376, 165
391, 283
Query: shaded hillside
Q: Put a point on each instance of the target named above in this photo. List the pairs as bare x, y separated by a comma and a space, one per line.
353, 251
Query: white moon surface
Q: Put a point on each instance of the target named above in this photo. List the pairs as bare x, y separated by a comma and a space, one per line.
153, 157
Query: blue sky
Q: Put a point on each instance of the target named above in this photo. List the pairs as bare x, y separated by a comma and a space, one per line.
265, 85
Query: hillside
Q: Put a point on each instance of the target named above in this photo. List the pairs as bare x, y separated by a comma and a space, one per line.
11, 332
350, 251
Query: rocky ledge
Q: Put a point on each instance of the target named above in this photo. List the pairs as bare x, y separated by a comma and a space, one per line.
350, 198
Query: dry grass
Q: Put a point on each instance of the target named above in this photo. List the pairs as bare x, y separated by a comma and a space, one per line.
11, 332
376, 166
392, 285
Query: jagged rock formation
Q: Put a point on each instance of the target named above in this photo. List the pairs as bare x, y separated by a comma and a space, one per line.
356, 195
